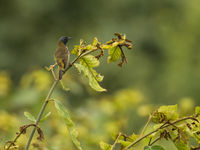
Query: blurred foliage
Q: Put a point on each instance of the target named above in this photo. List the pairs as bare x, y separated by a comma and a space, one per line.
98, 119
167, 125
162, 69
165, 34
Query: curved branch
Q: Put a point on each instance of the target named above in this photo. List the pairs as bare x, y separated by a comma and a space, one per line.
165, 125
22, 131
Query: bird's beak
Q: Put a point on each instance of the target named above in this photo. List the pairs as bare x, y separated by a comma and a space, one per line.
69, 37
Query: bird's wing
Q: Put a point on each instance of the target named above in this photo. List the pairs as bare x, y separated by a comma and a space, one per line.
60, 56
66, 57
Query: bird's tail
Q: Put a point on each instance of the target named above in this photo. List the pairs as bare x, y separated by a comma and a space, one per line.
60, 74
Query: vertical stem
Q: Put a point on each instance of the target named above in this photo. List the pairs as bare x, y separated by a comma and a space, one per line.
116, 140
49, 95
146, 125
41, 112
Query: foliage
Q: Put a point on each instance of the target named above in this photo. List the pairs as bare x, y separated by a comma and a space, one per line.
166, 45
87, 62
169, 126
109, 115
70, 125
154, 147
97, 120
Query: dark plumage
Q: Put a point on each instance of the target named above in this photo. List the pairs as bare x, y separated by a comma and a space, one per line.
62, 55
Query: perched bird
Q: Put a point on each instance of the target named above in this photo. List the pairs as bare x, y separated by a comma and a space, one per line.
62, 55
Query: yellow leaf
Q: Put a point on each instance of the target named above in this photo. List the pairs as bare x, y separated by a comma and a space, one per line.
92, 75
114, 54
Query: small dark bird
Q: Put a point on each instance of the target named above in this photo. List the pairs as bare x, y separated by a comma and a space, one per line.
62, 55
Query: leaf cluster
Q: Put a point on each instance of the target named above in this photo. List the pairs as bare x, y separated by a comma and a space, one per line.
167, 126
88, 62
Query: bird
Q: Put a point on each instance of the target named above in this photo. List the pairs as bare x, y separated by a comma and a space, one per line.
62, 55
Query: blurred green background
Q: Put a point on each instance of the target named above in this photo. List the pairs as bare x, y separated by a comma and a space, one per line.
163, 66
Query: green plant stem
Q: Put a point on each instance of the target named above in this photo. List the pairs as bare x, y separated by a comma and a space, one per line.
116, 140
41, 112
49, 95
165, 125
146, 125
157, 139
78, 57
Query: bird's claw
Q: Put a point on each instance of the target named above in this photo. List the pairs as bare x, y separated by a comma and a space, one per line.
50, 68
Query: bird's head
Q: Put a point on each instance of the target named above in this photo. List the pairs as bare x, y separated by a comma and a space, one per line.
64, 39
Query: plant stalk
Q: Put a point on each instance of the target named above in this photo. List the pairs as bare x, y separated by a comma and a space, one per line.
49, 95
165, 125
41, 113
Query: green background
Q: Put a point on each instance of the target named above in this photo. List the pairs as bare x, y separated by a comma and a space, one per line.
163, 64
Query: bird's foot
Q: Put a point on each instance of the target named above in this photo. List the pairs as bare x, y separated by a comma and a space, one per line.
50, 68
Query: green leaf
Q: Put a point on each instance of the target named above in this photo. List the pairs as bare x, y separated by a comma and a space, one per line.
157, 147
182, 142
170, 111
180, 145
64, 87
133, 137
93, 77
154, 147
90, 62
75, 50
159, 117
105, 146
196, 135
69, 123
114, 54
105, 46
87, 63
45, 117
197, 110
129, 139
95, 42
90, 47
147, 148
29, 116
124, 143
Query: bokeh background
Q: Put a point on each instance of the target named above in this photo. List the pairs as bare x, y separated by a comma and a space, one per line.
163, 66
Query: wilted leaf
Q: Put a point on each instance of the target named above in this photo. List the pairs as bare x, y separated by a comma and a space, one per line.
45, 117
114, 54
105, 146
29, 116
70, 125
